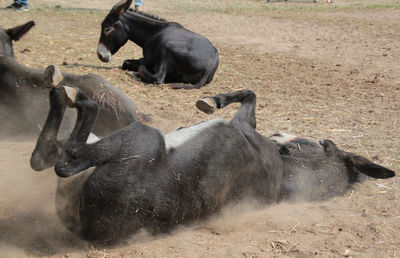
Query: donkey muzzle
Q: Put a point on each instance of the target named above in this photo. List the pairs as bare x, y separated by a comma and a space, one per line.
103, 53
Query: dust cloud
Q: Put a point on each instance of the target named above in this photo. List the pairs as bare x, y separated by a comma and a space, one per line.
28, 223
30, 226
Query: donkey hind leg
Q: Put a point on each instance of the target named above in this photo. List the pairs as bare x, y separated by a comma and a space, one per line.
87, 114
158, 77
132, 64
48, 148
205, 79
197, 85
246, 112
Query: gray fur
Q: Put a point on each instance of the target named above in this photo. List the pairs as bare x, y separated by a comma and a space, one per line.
318, 171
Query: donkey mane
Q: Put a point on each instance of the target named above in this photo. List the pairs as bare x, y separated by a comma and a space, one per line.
149, 16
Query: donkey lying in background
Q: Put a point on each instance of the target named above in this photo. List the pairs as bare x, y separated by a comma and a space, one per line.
143, 179
13, 34
171, 53
24, 100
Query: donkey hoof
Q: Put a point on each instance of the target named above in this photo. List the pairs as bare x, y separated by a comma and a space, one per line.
131, 65
71, 94
207, 105
52, 76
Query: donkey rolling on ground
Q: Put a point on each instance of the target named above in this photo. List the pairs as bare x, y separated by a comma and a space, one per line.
143, 179
171, 53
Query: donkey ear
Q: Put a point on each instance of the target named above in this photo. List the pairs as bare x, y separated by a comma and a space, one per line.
330, 147
121, 7
17, 32
367, 167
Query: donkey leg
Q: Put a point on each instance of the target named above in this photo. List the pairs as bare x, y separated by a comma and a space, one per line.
205, 79
246, 112
158, 77
77, 155
132, 64
87, 114
196, 85
48, 149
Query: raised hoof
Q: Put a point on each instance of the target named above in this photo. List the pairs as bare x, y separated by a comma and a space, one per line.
71, 94
207, 105
52, 76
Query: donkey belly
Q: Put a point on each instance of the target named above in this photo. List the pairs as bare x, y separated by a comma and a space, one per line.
183, 135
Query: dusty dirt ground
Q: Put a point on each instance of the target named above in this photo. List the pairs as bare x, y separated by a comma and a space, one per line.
323, 71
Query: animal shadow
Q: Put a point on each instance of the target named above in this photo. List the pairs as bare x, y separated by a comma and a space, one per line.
97, 67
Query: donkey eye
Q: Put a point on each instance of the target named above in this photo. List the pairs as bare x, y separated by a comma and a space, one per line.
108, 30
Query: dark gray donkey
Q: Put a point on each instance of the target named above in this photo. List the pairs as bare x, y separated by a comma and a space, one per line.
171, 53
143, 179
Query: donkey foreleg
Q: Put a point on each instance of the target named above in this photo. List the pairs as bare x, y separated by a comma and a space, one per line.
132, 64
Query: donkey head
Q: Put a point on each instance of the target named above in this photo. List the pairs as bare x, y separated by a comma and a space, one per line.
113, 33
12, 34
320, 170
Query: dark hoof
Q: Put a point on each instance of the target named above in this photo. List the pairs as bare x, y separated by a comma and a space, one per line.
131, 65
125, 65
207, 105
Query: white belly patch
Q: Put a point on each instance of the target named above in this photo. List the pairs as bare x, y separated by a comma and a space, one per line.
282, 138
179, 137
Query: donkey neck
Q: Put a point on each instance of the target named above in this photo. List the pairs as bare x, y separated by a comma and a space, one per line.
21, 73
140, 26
